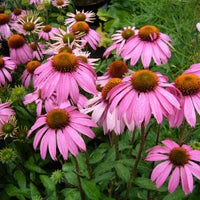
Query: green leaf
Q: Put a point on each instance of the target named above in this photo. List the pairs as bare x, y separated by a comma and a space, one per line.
147, 184
33, 167
96, 156
71, 194
122, 172
12, 190
90, 189
103, 167
176, 195
48, 183
20, 178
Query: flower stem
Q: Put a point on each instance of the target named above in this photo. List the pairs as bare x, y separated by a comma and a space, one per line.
132, 142
78, 178
37, 46
88, 164
116, 159
183, 132
136, 161
18, 6
152, 165
189, 134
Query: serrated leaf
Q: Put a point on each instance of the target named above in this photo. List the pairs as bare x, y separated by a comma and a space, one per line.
20, 178
12, 190
103, 167
122, 172
105, 177
34, 191
47, 182
90, 189
95, 157
146, 183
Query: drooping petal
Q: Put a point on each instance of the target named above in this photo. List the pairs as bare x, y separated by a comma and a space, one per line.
161, 179
174, 180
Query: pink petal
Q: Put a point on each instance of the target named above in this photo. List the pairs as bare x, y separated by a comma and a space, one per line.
184, 181
62, 144
38, 136
189, 111
158, 170
161, 179
174, 180
52, 144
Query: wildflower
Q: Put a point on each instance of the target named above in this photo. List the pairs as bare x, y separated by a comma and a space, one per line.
148, 43
60, 3
141, 95
100, 106
64, 38
176, 157
27, 26
29, 72
19, 50
117, 69
61, 72
88, 35
84, 56
61, 127
188, 85
47, 32
5, 31
88, 16
17, 13
120, 38
5, 112
7, 66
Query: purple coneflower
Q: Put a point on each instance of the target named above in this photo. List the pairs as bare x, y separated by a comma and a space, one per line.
148, 43
61, 127
88, 16
88, 35
5, 31
141, 95
29, 72
47, 32
19, 50
176, 158
188, 85
120, 38
61, 72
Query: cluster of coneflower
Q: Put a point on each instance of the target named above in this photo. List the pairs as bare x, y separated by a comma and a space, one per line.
58, 67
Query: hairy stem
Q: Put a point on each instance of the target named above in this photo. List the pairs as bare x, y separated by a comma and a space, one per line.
183, 132
78, 178
136, 161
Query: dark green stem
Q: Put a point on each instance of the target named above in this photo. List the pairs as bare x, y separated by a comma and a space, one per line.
152, 165
132, 142
78, 178
116, 159
18, 6
136, 161
189, 134
183, 132
88, 164
37, 46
